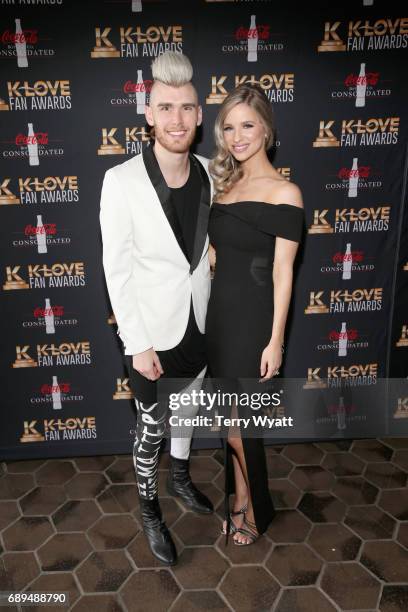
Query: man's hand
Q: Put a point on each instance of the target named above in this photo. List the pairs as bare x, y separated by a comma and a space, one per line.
148, 364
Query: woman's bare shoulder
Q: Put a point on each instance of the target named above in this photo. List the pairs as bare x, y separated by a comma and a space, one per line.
283, 192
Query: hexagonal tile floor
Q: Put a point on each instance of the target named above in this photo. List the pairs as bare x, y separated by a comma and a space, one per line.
339, 540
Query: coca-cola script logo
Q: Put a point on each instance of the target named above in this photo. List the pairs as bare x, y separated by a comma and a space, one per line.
261, 32
57, 311
48, 228
130, 87
354, 256
36, 138
61, 387
345, 408
26, 36
371, 78
360, 172
350, 334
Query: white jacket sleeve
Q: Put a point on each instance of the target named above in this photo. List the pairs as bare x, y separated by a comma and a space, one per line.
117, 241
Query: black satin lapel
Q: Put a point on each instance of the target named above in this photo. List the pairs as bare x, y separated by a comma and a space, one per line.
164, 194
203, 214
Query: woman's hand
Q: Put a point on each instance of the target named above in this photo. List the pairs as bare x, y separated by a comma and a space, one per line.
271, 361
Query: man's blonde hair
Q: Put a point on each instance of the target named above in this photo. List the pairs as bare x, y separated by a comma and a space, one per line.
172, 69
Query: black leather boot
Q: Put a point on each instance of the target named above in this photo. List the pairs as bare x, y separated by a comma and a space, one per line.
158, 536
179, 484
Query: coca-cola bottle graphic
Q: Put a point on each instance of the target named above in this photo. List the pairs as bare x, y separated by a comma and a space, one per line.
56, 394
343, 341
252, 41
136, 6
361, 87
49, 318
41, 236
341, 414
368, 2
347, 262
32, 147
353, 179
140, 94
21, 47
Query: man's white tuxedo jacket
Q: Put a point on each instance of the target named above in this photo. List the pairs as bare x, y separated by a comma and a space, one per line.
149, 278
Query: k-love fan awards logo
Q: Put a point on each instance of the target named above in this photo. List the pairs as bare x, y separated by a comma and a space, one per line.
251, 39
345, 220
401, 410
37, 95
278, 87
40, 236
365, 35
345, 300
49, 317
134, 139
358, 132
137, 41
123, 390
32, 147
38, 3
61, 429
354, 178
338, 376
360, 86
403, 341
342, 340
53, 355
133, 93
347, 262
45, 276
22, 44
36, 190
54, 394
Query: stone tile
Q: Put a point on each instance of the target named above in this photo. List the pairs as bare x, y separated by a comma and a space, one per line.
219, 456
400, 458
307, 599
394, 598
355, 490
27, 533
63, 552
55, 472
350, 586
86, 485
122, 471
335, 446
312, 478
284, 494
76, 515
386, 475
14, 486
322, 507
24, 467
54, 583
244, 554
102, 603
395, 502
288, 526
303, 454
113, 532
334, 542
343, 464
94, 464
104, 571
202, 452
294, 565
200, 568
371, 450
402, 536
370, 523
197, 601
219, 481
9, 512
396, 443
43, 500
17, 570
119, 498
241, 587
203, 469
157, 589
387, 560
198, 530
278, 466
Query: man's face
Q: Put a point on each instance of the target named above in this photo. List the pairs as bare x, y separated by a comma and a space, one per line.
175, 114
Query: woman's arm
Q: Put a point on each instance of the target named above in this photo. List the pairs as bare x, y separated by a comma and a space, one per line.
212, 258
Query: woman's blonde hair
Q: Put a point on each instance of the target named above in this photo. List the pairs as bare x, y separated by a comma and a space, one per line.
224, 168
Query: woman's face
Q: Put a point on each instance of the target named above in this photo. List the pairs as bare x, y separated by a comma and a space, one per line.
244, 132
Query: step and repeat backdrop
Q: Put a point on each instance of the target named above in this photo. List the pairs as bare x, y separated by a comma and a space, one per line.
75, 78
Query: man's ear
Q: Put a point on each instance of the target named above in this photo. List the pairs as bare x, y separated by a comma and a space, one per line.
199, 115
149, 115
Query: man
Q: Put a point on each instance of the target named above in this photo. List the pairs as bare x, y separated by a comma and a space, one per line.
154, 217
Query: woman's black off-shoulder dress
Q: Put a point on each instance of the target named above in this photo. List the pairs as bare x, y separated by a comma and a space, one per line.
240, 316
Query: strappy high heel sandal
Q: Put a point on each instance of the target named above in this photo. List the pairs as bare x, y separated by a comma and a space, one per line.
232, 528
251, 533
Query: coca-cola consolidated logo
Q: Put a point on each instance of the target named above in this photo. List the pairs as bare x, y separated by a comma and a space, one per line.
354, 178
41, 236
361, 86
49, 318
252, 39
23, 44
134, 93
33, 147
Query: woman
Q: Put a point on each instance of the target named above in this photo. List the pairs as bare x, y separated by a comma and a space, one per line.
255, 225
